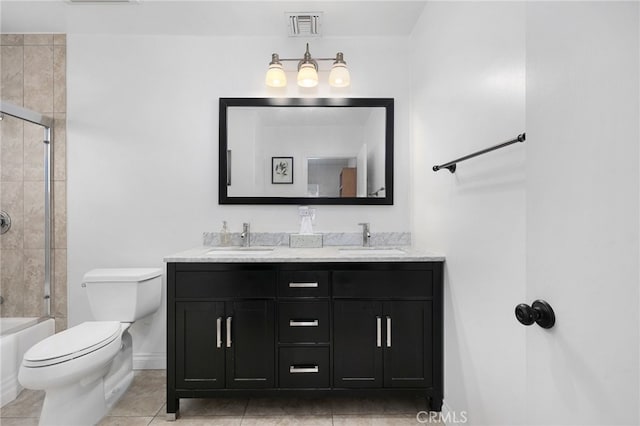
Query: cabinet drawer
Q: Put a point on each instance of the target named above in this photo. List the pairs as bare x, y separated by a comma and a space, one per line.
303, 322
247, 284
303, 284
383, 284
304, 367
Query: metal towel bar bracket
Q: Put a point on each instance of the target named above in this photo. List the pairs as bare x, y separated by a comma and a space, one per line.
451, 165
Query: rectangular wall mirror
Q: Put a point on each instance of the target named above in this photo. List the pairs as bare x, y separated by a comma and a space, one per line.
306, 151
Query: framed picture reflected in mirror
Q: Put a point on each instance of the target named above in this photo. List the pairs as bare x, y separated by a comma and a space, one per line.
281, 170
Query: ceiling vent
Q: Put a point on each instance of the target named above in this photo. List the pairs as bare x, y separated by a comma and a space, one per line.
103, 1
304, 24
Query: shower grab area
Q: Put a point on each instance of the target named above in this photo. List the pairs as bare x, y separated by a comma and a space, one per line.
25, 239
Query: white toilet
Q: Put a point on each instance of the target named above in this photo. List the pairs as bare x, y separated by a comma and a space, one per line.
85, 369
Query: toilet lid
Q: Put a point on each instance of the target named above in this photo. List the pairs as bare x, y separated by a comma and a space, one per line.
121, 275
72, 343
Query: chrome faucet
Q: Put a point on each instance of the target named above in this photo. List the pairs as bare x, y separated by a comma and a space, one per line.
245, 235
366, 235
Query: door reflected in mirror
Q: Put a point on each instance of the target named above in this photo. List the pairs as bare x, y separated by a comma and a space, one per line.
326, 177
341, 150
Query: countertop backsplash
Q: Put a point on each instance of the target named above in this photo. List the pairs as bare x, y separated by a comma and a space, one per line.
378, 239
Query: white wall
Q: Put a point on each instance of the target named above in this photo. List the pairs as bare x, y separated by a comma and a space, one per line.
468, 93
142, 147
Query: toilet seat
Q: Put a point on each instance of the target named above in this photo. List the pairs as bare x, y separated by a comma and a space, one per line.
72, 343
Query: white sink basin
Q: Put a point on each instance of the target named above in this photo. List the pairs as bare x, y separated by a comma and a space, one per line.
372, 251
240, 251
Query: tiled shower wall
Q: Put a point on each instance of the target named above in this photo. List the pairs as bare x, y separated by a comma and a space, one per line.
33, 75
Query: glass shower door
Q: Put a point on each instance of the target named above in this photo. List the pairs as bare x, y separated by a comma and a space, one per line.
24, 253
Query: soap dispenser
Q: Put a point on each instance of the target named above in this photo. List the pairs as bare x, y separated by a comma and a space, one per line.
225, 236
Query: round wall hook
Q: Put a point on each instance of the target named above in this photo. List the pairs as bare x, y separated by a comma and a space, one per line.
539, 312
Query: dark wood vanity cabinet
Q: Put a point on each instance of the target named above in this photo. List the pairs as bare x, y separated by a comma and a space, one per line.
222, 318
384, 330
278, 328
216, 343
304, 329
383, 344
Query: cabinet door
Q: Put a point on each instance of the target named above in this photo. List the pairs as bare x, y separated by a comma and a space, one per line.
408, 344
357, 344
199, 357
250, 344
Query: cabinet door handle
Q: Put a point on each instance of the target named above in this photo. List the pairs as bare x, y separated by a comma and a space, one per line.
388, 332
379, 332
219, 332
303, 285
294, 369
228, 332
303, 323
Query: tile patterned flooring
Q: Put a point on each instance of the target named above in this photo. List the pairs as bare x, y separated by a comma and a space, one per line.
144, 404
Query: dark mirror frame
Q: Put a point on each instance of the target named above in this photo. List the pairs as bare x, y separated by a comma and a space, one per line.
387, 103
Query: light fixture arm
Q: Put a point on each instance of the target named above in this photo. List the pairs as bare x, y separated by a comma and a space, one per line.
307, 57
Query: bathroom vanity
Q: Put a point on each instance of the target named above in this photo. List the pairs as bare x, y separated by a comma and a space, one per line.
315, 321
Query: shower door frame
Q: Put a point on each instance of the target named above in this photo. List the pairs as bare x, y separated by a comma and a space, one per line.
30, 116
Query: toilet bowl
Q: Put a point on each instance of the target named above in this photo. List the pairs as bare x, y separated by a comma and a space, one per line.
85, 369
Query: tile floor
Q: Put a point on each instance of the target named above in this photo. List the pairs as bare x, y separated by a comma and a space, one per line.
144, 404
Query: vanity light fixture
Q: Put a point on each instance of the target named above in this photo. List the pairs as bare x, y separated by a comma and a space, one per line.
275, 74
308, 71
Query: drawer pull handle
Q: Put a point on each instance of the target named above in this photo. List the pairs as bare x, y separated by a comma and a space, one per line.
388, 332
219, 332
228, 332
303, 285
303, 323
378, 332
294, 369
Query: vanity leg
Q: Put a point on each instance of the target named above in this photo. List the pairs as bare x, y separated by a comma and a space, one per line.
173, 405
434, 403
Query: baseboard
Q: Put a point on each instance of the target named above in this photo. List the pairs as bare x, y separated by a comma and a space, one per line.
446, 409
149, 361
10, 389
450, 417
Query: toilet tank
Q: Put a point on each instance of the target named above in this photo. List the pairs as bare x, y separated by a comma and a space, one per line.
123, 294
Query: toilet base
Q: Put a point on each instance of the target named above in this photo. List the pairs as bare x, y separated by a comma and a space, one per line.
87, 402
112, 397
120, 375
77, 404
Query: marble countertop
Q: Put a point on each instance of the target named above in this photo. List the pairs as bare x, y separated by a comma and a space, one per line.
271, 254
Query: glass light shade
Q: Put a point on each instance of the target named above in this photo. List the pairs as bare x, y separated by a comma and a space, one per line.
339, 76
275, 76
307, 76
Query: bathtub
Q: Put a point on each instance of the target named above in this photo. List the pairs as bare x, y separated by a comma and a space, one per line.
17, 335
